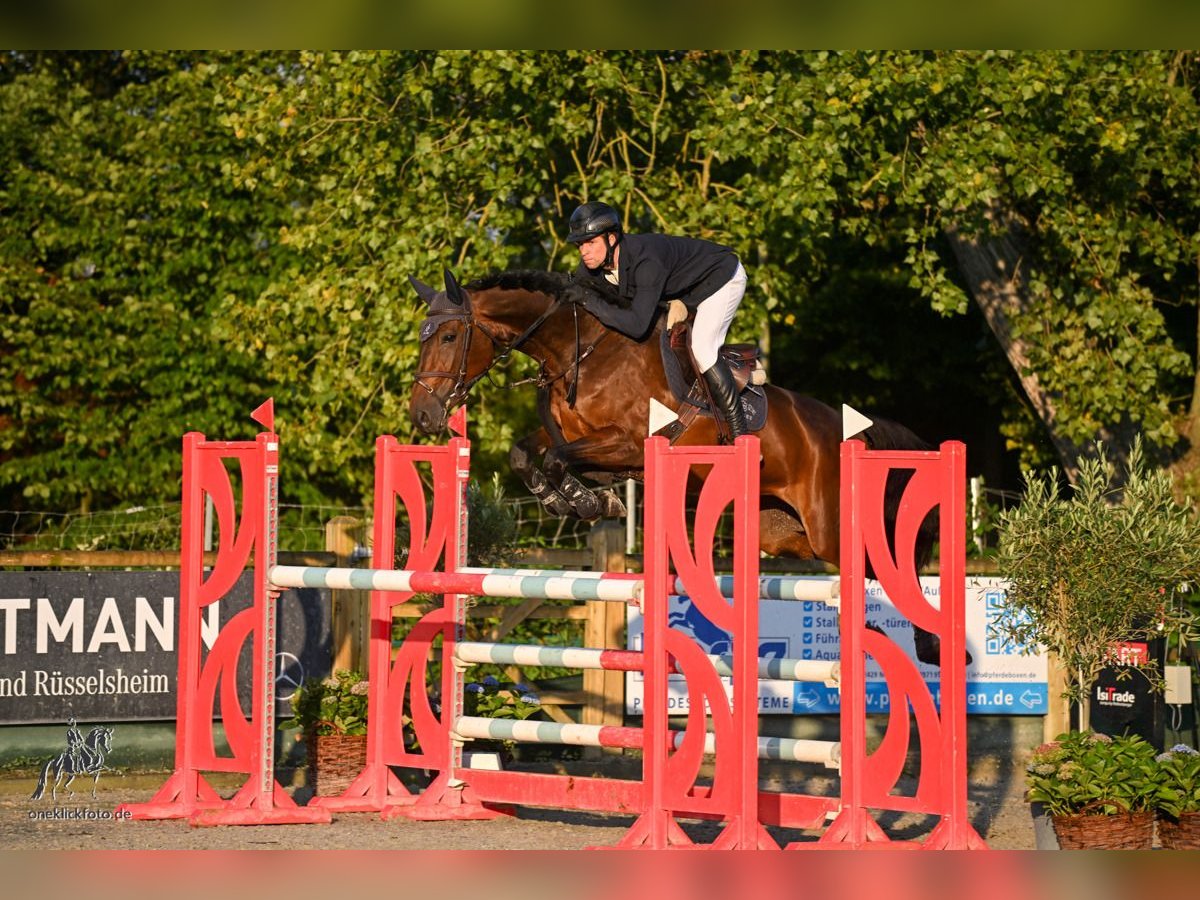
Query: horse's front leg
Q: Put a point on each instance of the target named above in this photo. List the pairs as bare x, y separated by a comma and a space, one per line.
521, 459
606, 448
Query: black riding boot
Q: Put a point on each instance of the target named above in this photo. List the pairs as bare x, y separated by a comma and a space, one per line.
725, 395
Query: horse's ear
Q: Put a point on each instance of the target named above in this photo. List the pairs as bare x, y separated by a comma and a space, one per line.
454, 290
424, 291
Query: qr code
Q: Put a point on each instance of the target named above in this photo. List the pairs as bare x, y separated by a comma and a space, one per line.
998, 643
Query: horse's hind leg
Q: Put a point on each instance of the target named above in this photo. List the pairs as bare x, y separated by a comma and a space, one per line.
781, 533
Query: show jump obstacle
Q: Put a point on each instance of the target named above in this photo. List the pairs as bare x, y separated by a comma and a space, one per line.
408, 727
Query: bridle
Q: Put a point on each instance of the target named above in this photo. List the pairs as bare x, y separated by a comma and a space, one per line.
463, 383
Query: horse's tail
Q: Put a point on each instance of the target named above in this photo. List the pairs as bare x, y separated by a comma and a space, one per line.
887, 435
40, 790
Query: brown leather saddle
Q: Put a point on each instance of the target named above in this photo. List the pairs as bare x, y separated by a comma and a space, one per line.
690, 391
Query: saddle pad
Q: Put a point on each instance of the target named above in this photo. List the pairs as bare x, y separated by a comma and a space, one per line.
753, 397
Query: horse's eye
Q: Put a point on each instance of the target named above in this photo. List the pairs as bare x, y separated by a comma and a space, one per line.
448, 338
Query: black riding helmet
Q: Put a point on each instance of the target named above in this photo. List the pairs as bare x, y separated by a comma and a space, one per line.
592, 219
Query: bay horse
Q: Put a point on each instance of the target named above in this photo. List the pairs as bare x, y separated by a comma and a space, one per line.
594, 391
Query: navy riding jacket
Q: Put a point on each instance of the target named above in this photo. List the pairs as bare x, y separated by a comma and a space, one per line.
656, 267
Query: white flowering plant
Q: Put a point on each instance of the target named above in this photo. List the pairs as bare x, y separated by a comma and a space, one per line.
333, 705
1083, 773
1179, 786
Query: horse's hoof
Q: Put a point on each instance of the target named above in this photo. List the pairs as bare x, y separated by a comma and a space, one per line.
611, 506
587, 508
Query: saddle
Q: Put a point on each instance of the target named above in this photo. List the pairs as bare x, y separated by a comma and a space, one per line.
689, 389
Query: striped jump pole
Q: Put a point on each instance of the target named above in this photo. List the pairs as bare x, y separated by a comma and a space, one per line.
538, 655
545, 584
827, 753
819, 588
489, 583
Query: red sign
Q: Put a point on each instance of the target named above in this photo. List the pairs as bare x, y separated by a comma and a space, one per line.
1129, 653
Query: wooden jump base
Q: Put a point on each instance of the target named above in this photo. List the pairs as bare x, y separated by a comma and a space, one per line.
678, 559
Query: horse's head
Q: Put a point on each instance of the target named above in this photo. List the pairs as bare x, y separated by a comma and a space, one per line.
100, 738
455, 353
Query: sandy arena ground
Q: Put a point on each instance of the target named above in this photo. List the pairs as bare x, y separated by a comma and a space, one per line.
996, 809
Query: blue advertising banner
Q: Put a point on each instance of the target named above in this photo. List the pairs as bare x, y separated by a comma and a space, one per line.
1001, 679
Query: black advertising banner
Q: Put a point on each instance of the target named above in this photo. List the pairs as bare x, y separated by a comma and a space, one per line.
1123, 700
101, 646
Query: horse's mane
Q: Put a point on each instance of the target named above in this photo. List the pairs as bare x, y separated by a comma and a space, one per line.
555, 284
552, 283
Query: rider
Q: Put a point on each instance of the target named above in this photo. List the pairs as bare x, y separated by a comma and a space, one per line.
74, 743
646, 269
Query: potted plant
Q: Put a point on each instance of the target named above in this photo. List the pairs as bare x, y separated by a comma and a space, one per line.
1112, 562
331, 714
1179, 798
492, 699
1100, 792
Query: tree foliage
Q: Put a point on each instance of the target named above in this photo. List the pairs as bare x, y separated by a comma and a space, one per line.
184, 234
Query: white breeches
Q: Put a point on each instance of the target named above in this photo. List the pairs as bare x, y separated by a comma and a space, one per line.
713, 317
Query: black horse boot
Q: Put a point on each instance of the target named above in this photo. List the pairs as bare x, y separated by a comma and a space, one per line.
725, 395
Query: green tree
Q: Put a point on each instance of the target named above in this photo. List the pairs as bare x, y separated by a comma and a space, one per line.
186, 233
119, 238
1059, 191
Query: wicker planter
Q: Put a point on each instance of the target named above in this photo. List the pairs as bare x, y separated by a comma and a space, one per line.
1123, 831
335, 760
1180, 834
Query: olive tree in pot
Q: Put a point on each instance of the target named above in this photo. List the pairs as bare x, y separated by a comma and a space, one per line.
1102, 565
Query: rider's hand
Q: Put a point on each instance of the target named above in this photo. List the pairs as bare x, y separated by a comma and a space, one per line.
676, 313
